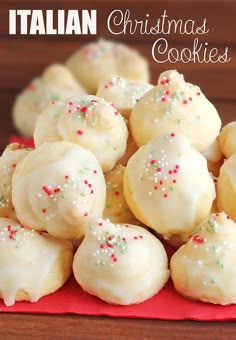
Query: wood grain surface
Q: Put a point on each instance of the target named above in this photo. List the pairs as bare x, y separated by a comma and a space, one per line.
24, 57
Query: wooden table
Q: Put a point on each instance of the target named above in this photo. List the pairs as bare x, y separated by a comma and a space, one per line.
24, 57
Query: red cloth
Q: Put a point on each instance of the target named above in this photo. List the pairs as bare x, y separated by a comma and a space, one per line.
166, 305
27, 142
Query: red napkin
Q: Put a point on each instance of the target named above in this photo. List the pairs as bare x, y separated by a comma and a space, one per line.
27, 142
166, 305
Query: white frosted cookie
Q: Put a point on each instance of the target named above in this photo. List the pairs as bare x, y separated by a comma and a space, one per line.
214, 157
116, 209
226, 187
175, 105
205, 267
89, 121
59, 187
11, 156
167, 185
55, 83
120, 263
32, 264
122, 94
93, 61
227, 139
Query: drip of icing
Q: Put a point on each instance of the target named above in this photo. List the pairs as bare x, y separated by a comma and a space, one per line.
25, 262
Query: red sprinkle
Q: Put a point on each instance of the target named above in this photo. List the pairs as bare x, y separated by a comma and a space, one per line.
83, 109
172, 134
185, 101
165, 195
79, 132
117, 193
197, 239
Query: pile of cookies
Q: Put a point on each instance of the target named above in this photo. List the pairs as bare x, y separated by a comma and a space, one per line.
119, 167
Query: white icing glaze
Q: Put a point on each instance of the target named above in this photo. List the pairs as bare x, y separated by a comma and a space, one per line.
88, 121
121, 264
122, 94
226, 187
63, 188
204, 268
95, 60
174, 105
116, 208
227, 139
167, 185
213, 153
56, 83
11, 156
26, 258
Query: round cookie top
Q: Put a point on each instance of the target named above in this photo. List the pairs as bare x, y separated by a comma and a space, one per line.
175, 105
55, 83
226, 187
120, 263
122, 94
59, 187
26, 259
227, 138
204, 268
167, 185
11, 156
93, 61
89, 121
